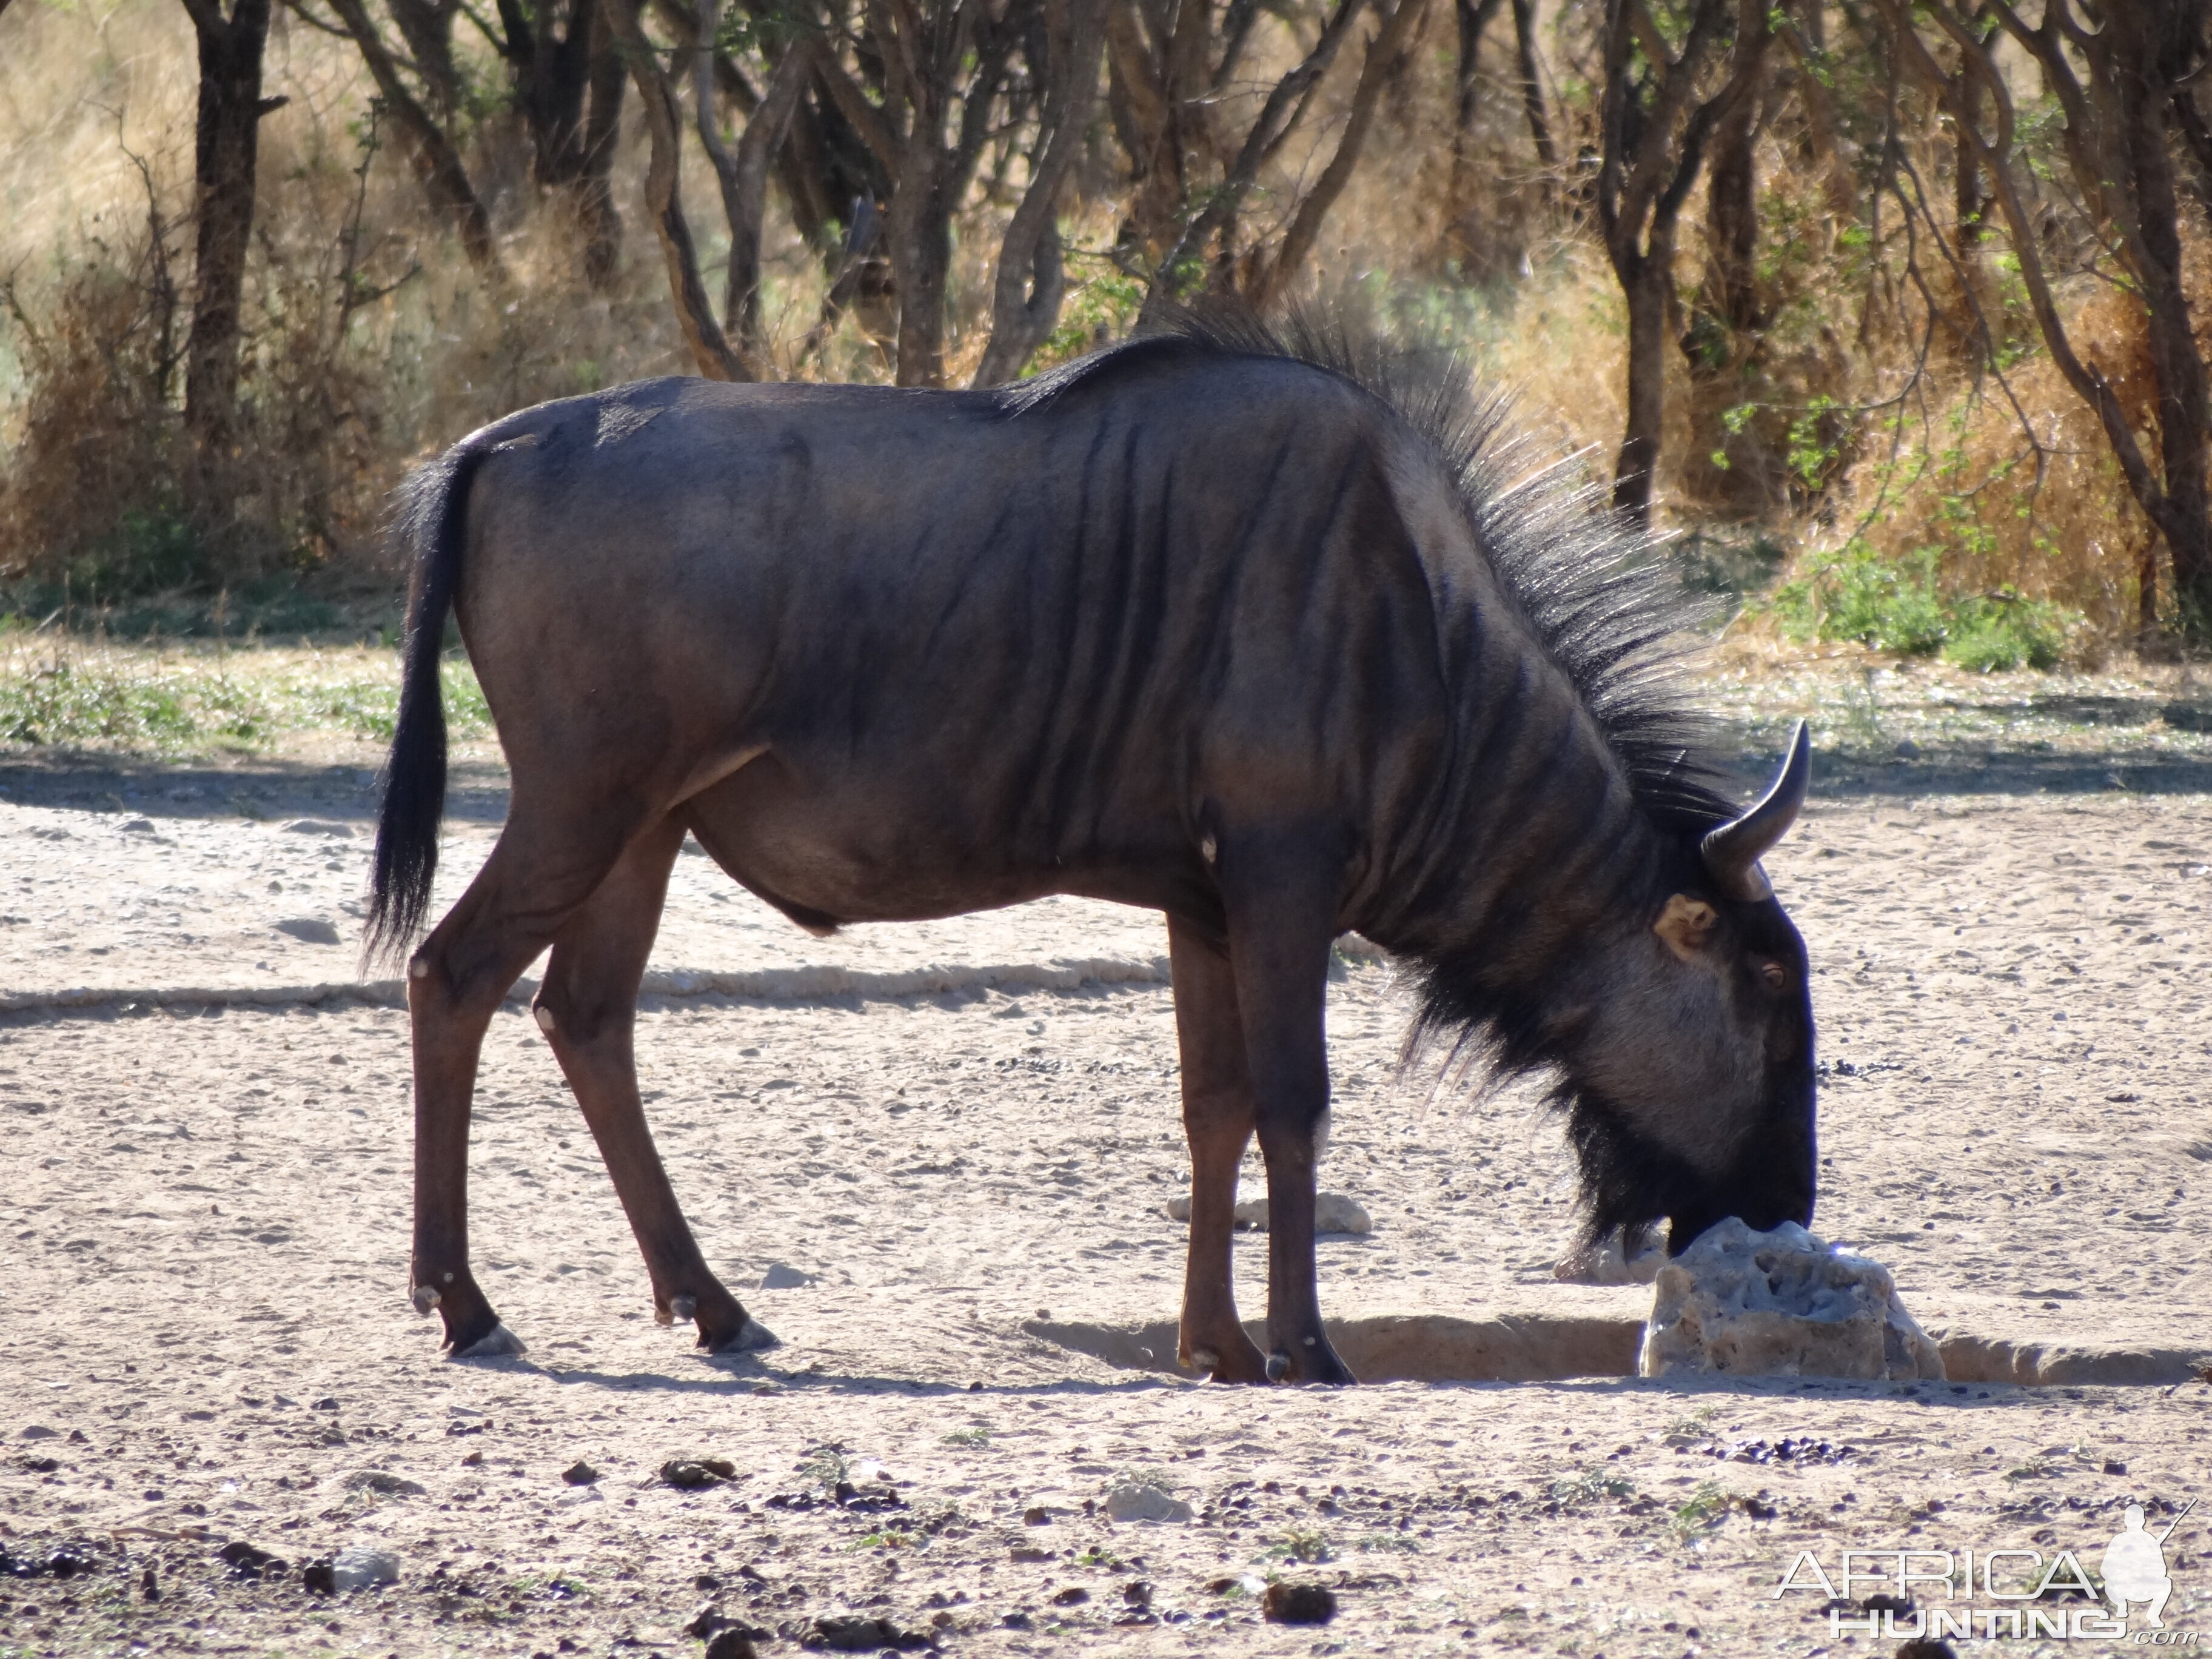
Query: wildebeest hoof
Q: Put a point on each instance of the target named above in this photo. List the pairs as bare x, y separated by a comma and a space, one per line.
683, 1309
424, 1297
497, 1343
1279, 1366
752, 1336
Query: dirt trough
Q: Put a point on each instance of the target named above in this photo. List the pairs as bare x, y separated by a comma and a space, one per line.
1398, 1347
1538, 1348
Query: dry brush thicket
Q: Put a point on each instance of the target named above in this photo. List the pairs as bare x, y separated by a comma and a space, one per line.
1898, 305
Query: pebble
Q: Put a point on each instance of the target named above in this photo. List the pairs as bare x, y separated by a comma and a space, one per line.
320, 826
310, 930
380, 1480
781, 1276
63, 1563
731, 1645
248, 1561
1605, 1262
708, 1620
1908, 750
580, 1473
690, 1474
849, 1633
1333, 1212
1288, 1603
1132, 1500
363, 1565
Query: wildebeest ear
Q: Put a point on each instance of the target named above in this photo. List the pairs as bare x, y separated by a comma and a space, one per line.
1685, 924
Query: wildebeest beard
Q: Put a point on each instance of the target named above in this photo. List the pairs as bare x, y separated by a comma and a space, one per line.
1627, 1182
1498, 1027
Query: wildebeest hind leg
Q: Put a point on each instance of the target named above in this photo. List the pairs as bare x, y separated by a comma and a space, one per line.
1279, 889
587, 1008
456, 981
1217, 1118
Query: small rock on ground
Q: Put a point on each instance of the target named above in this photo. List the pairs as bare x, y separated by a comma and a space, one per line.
1131, 1500
1288, 1603
1333, 1212
362, 1565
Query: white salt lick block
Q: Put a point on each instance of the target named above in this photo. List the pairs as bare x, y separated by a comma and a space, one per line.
1782, 1303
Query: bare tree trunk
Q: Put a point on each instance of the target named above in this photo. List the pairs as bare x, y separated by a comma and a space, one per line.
1276, 118
437, 164
2117, 148
743, 178
1383, 55
1647, 287
427, 26
694, 315
1823, 131
1654, 132
1732, 188
551, 67
225, 145
1968, 203
1473, 18
595, 201
936, 59
1532, 87
1026, 295
1143, 119
2184, 401
918, 232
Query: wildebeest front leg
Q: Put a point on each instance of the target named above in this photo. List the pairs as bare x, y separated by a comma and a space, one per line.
1280, 895
587, 1008
1217, 1118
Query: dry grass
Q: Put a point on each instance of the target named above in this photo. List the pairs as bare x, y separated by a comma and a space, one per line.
95, 120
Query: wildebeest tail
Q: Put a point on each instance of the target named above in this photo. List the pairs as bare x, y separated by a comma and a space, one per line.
428, 525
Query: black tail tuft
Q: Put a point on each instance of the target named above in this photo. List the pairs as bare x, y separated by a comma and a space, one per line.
428, 525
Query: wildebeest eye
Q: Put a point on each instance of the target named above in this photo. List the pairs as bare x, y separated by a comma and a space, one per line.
1774, 974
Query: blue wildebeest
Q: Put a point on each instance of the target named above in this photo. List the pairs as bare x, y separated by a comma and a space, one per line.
1265, 636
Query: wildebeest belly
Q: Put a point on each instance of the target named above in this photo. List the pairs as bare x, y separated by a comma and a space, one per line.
852, 850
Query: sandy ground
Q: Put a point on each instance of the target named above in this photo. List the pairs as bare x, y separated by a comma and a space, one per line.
204, 1338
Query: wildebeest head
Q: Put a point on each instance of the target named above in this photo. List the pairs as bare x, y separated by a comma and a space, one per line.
1685, 1066
1673, 1021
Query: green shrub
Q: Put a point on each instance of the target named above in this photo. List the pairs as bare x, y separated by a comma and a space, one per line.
1854, 593
2005, 631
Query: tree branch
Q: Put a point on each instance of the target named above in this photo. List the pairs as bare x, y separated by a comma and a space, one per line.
694, 316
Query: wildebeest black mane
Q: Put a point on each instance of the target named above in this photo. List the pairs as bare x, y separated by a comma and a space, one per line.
1593, 588
1600, 601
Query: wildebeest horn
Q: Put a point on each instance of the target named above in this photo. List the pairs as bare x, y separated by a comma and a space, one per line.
1732, 852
